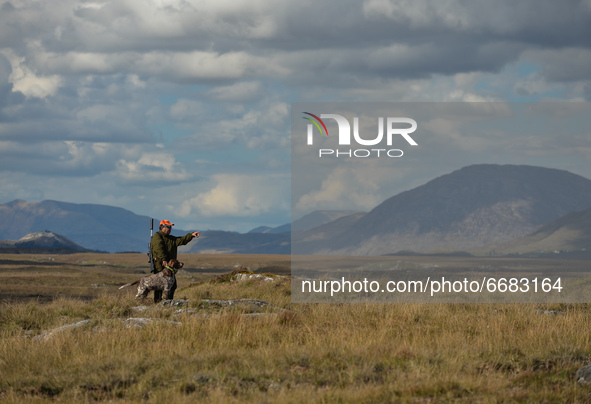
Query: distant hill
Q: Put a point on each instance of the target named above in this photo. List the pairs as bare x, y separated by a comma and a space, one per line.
112, 229
261, 229
264, 239
306, 222
284, 228
41, 242
215, 242
463, 210
569, 233
319, 217
309, 239
476, 207
98, 227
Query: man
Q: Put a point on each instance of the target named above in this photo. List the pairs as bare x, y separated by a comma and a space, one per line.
164, 248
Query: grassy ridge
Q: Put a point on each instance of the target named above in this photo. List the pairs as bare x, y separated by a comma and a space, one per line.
305, 353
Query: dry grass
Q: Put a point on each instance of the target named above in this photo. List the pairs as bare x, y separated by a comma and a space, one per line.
306, 353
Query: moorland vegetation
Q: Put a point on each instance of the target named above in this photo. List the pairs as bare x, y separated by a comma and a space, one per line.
204, 351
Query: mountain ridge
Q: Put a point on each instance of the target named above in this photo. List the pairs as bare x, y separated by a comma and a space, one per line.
97, 227
44, 241
466, 209
470, 209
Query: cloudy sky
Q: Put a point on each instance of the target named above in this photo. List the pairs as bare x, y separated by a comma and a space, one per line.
181, 108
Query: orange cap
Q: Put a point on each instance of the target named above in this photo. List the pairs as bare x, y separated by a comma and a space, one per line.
166, 222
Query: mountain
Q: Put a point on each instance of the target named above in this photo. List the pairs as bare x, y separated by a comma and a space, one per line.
215, 242
569, 233
318, 218
112, 229
306, 222
475, 207
284, 228
44, 241
261, 229
463, 210
310, 238
98, 227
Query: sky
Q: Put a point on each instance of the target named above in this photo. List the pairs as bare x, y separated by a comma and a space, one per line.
181, 109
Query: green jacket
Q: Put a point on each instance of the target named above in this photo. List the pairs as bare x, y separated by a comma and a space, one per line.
164, 247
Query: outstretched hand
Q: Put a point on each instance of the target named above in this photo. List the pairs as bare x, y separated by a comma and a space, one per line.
195, 234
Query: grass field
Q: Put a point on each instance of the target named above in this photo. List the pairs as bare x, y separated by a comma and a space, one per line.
281, 352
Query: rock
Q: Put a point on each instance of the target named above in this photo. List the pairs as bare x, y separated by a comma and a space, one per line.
46, 335
246, 276
197, 313
246, 304
139, 322
550, 312
174, 303
583, 375
164, 303
233, 302
243, 274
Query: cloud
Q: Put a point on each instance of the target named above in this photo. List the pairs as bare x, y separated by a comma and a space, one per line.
566, 64
180, 67
264, 126
185, 108
91, 90
347, 186
23, 79
60, 158
156, 169
483, 19
242, 91
241, 195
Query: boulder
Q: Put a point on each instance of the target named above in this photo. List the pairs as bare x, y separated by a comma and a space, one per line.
46, 335
583, 375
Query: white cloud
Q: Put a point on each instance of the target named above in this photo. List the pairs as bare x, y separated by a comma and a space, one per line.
155, 168
135, 81
241, 195
420, 14
346, 187
263, 127
25, 80
241, 91
167, 66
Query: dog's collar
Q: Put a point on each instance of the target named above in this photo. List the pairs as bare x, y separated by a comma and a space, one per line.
172, 269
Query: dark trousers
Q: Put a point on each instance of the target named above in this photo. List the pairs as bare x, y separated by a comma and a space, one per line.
158, 293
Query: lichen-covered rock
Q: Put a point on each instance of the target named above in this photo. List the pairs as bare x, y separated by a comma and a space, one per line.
139, 322
234, 302
243, 274
246, 276
46, 335
583, 375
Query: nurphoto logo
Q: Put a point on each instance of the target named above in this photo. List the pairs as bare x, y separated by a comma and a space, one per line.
392, 130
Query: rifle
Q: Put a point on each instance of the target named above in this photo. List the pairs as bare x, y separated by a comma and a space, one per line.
150, 256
